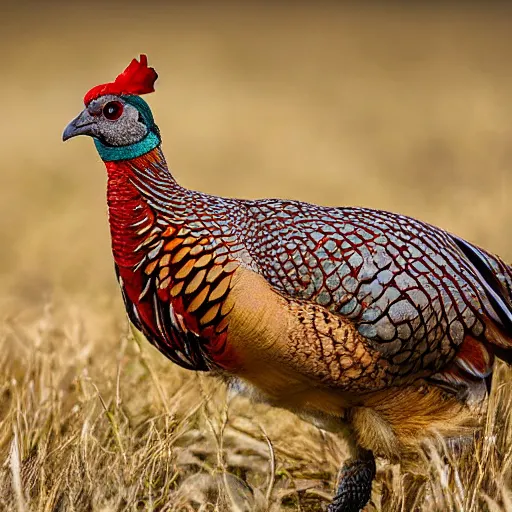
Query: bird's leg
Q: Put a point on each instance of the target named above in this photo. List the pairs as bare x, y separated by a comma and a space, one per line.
355, 483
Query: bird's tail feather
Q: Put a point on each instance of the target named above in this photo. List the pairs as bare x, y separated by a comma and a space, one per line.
495, 277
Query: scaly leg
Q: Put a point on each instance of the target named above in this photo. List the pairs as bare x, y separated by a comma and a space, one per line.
355, 484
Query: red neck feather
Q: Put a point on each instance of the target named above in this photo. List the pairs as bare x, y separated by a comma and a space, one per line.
129, 212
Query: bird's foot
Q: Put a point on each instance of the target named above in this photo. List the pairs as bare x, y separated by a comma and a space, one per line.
355, 484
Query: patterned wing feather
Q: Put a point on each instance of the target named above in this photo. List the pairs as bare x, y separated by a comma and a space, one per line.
408, 286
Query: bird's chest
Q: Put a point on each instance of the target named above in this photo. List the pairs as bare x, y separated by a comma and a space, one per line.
175, 272
175, 289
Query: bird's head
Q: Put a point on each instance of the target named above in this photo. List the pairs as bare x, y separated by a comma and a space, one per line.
115, 115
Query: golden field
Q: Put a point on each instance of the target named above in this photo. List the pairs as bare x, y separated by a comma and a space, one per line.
395, 106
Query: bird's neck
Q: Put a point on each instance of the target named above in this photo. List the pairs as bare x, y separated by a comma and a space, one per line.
131, 185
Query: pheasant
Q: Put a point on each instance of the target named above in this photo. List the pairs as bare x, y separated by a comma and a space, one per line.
368, 323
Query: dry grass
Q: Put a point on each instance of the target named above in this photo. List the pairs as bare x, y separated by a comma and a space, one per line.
401, 108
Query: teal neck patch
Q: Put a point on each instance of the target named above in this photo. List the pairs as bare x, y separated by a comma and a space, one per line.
147, 144
115, 153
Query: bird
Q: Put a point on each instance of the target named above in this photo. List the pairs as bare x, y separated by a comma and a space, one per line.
367, 323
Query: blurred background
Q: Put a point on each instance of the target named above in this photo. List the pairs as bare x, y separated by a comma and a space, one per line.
403, 106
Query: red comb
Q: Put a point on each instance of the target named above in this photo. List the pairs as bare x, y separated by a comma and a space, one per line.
137, 79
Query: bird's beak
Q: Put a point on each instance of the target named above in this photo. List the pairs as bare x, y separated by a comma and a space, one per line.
83, 124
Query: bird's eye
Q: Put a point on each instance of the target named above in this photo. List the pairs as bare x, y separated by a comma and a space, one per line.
113, 110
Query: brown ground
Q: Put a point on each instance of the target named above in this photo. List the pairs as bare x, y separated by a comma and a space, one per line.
395, 107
